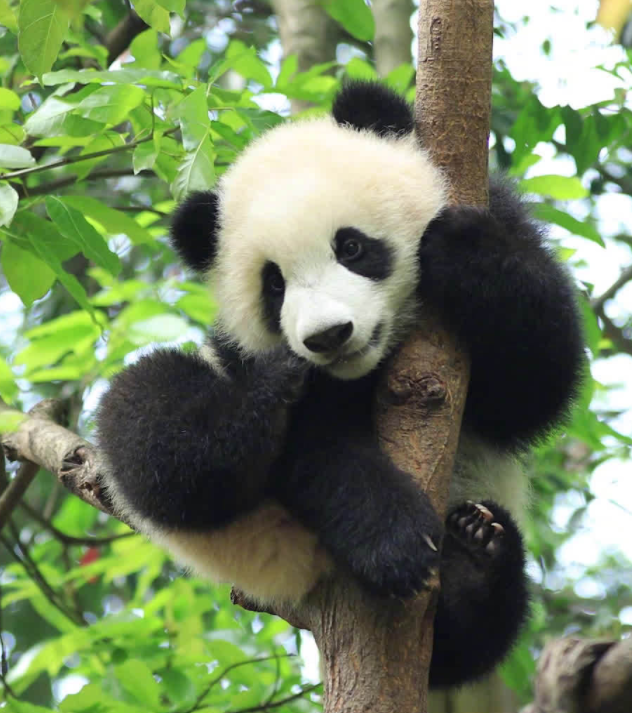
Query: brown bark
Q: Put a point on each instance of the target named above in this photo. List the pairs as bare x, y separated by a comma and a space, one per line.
454, 91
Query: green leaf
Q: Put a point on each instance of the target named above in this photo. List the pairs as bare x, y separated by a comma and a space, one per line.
113, 221
196, 171
11, 134
43, 26
358, 68
47, 244
7, 17
147, 77
162, 328
111, 104
9, 99
244, 60
354, 15
28, 276
144, 50
10, 421
76, 228
400, 78
153, 14
173, 6
8, 203
194, 120
8, 388
549, 214
53, 118
136, 678
559, 187
145, 154
15, 157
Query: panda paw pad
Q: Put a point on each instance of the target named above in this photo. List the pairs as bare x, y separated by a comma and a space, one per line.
473, 523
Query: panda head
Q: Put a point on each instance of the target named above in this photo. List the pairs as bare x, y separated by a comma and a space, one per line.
311, 238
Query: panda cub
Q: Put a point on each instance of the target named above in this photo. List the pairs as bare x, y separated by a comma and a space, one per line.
256, 460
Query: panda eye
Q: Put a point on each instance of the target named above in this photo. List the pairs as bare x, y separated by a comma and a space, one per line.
273, 280
351, 249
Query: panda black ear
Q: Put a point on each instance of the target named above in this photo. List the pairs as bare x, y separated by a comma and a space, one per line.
372, 106
194, 229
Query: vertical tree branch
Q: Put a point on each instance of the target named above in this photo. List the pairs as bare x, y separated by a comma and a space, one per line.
377, 655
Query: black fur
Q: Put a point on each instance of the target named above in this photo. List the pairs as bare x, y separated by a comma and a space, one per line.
500, 288
193, 448
194, 229
272, 295
375, 259
484, 597
372, 106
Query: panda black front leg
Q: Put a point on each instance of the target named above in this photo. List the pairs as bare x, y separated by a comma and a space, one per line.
189, 438
483, 600
501, 289
369, 515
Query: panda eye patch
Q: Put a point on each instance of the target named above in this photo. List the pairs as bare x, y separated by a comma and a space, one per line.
273, 281
365, 256
272, 295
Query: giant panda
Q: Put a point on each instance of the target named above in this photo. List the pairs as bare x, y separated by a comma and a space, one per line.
256, 461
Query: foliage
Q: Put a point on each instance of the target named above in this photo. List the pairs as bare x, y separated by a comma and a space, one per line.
98, 141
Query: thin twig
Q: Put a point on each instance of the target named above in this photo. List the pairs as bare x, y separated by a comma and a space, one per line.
228, 669
69, 160
598, 302
12, 495
69, 539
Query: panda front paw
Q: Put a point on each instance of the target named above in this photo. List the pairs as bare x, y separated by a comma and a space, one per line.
485, 529
398, 558
474, 524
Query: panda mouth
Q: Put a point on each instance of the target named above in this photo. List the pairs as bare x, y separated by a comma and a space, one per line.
374, 341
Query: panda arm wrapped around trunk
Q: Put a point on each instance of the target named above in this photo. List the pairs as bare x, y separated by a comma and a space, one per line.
257, 461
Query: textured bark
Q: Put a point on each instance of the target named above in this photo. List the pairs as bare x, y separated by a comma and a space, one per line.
393, 34
454, 76
591, 676
40, 440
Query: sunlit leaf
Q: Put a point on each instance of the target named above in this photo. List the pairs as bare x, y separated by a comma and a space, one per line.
153, 14
28, 276
43, 26
354, 15
15, 157
196, 171
558, 187
71, 223
8, 203
111, 104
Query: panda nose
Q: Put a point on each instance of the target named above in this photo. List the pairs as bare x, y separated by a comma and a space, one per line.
329, 339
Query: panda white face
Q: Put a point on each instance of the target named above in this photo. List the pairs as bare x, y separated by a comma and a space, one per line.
317, 247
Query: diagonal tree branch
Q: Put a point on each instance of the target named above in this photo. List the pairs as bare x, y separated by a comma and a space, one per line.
73, 460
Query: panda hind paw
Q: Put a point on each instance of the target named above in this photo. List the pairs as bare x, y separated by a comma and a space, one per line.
475, 525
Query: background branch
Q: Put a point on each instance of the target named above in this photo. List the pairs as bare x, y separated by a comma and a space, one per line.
584, 676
